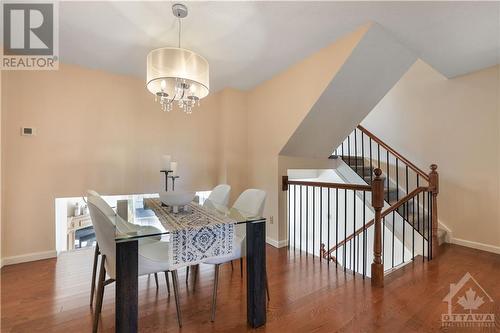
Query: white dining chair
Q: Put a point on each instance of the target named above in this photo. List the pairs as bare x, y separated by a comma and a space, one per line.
219, 199
153, 257
250, 203
220, 195
123, 227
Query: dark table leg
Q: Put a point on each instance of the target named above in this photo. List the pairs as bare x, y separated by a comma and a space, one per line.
256, 274
126, 308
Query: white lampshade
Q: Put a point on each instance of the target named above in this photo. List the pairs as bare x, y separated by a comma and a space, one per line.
179, 73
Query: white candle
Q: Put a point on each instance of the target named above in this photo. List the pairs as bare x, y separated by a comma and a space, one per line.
173, 167
166, 161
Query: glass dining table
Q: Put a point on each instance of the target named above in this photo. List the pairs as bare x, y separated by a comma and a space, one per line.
148, 212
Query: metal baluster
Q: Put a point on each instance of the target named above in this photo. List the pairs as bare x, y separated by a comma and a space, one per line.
387, 159
307, 221
328, 248
357, 252
397, 199
383, 241
363, 155
424, 224
364, 234
349, 149
320, 220
407, 204
294, 218
429, 196
418, 207
345, 228
413, 217
314, 214
393, 224
356, 151
300, 230
378, 153
336, 227
289, 220
397, 180
353, 243
371, 162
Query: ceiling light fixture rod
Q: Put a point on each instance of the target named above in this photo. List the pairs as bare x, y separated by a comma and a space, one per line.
180, 27
180, 11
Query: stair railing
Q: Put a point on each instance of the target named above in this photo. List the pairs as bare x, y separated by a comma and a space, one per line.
313, 207
363, 151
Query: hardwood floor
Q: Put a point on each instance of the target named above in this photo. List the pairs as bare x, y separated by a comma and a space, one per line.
306, 296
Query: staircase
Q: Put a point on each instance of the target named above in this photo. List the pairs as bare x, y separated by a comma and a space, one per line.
404, 183
382, 216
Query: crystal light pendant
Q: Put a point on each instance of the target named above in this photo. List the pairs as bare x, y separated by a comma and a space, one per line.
177, 75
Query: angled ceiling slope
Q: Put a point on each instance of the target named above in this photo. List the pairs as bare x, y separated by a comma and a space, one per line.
373, 68
249, 42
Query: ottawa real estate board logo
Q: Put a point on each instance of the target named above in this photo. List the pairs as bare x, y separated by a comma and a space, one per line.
30, 36
469, 305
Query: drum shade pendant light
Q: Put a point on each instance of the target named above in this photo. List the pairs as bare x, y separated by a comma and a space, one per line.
177, 75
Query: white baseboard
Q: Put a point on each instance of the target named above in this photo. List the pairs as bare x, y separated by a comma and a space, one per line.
449, 233
275, 243
28, 257
476, 245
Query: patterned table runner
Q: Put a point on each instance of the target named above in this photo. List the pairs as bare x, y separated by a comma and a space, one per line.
196, 234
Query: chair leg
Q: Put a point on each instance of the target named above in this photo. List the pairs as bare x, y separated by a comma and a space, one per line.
214, 295
187, 274
267, 289
195, 272
168, 282
100, 294
241, 267
196, 268
175, 282
156, 280
94, 271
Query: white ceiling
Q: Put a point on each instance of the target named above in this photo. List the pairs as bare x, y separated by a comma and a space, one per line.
249, 42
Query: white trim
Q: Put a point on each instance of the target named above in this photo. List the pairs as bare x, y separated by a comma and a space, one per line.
476, 245
449, 234
275, 243
28, 257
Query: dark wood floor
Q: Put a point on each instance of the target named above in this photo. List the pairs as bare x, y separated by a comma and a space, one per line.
306, 296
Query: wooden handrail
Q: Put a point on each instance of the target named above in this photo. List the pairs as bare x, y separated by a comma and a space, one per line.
342, 186
394, 152
386, 212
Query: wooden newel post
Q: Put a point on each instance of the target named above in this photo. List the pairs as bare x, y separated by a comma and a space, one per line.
378, 204
434, 187
284, 183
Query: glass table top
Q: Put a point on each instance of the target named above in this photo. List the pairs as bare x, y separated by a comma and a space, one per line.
136, 218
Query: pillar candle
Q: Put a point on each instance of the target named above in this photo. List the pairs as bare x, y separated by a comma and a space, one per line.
166, 161
173, 167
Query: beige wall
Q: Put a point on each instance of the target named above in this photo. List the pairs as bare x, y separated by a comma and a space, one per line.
275, 109
103, 131
233, 135
94, 130
455, 124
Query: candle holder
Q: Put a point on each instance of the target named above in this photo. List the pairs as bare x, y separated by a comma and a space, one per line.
166, 172
173, 181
